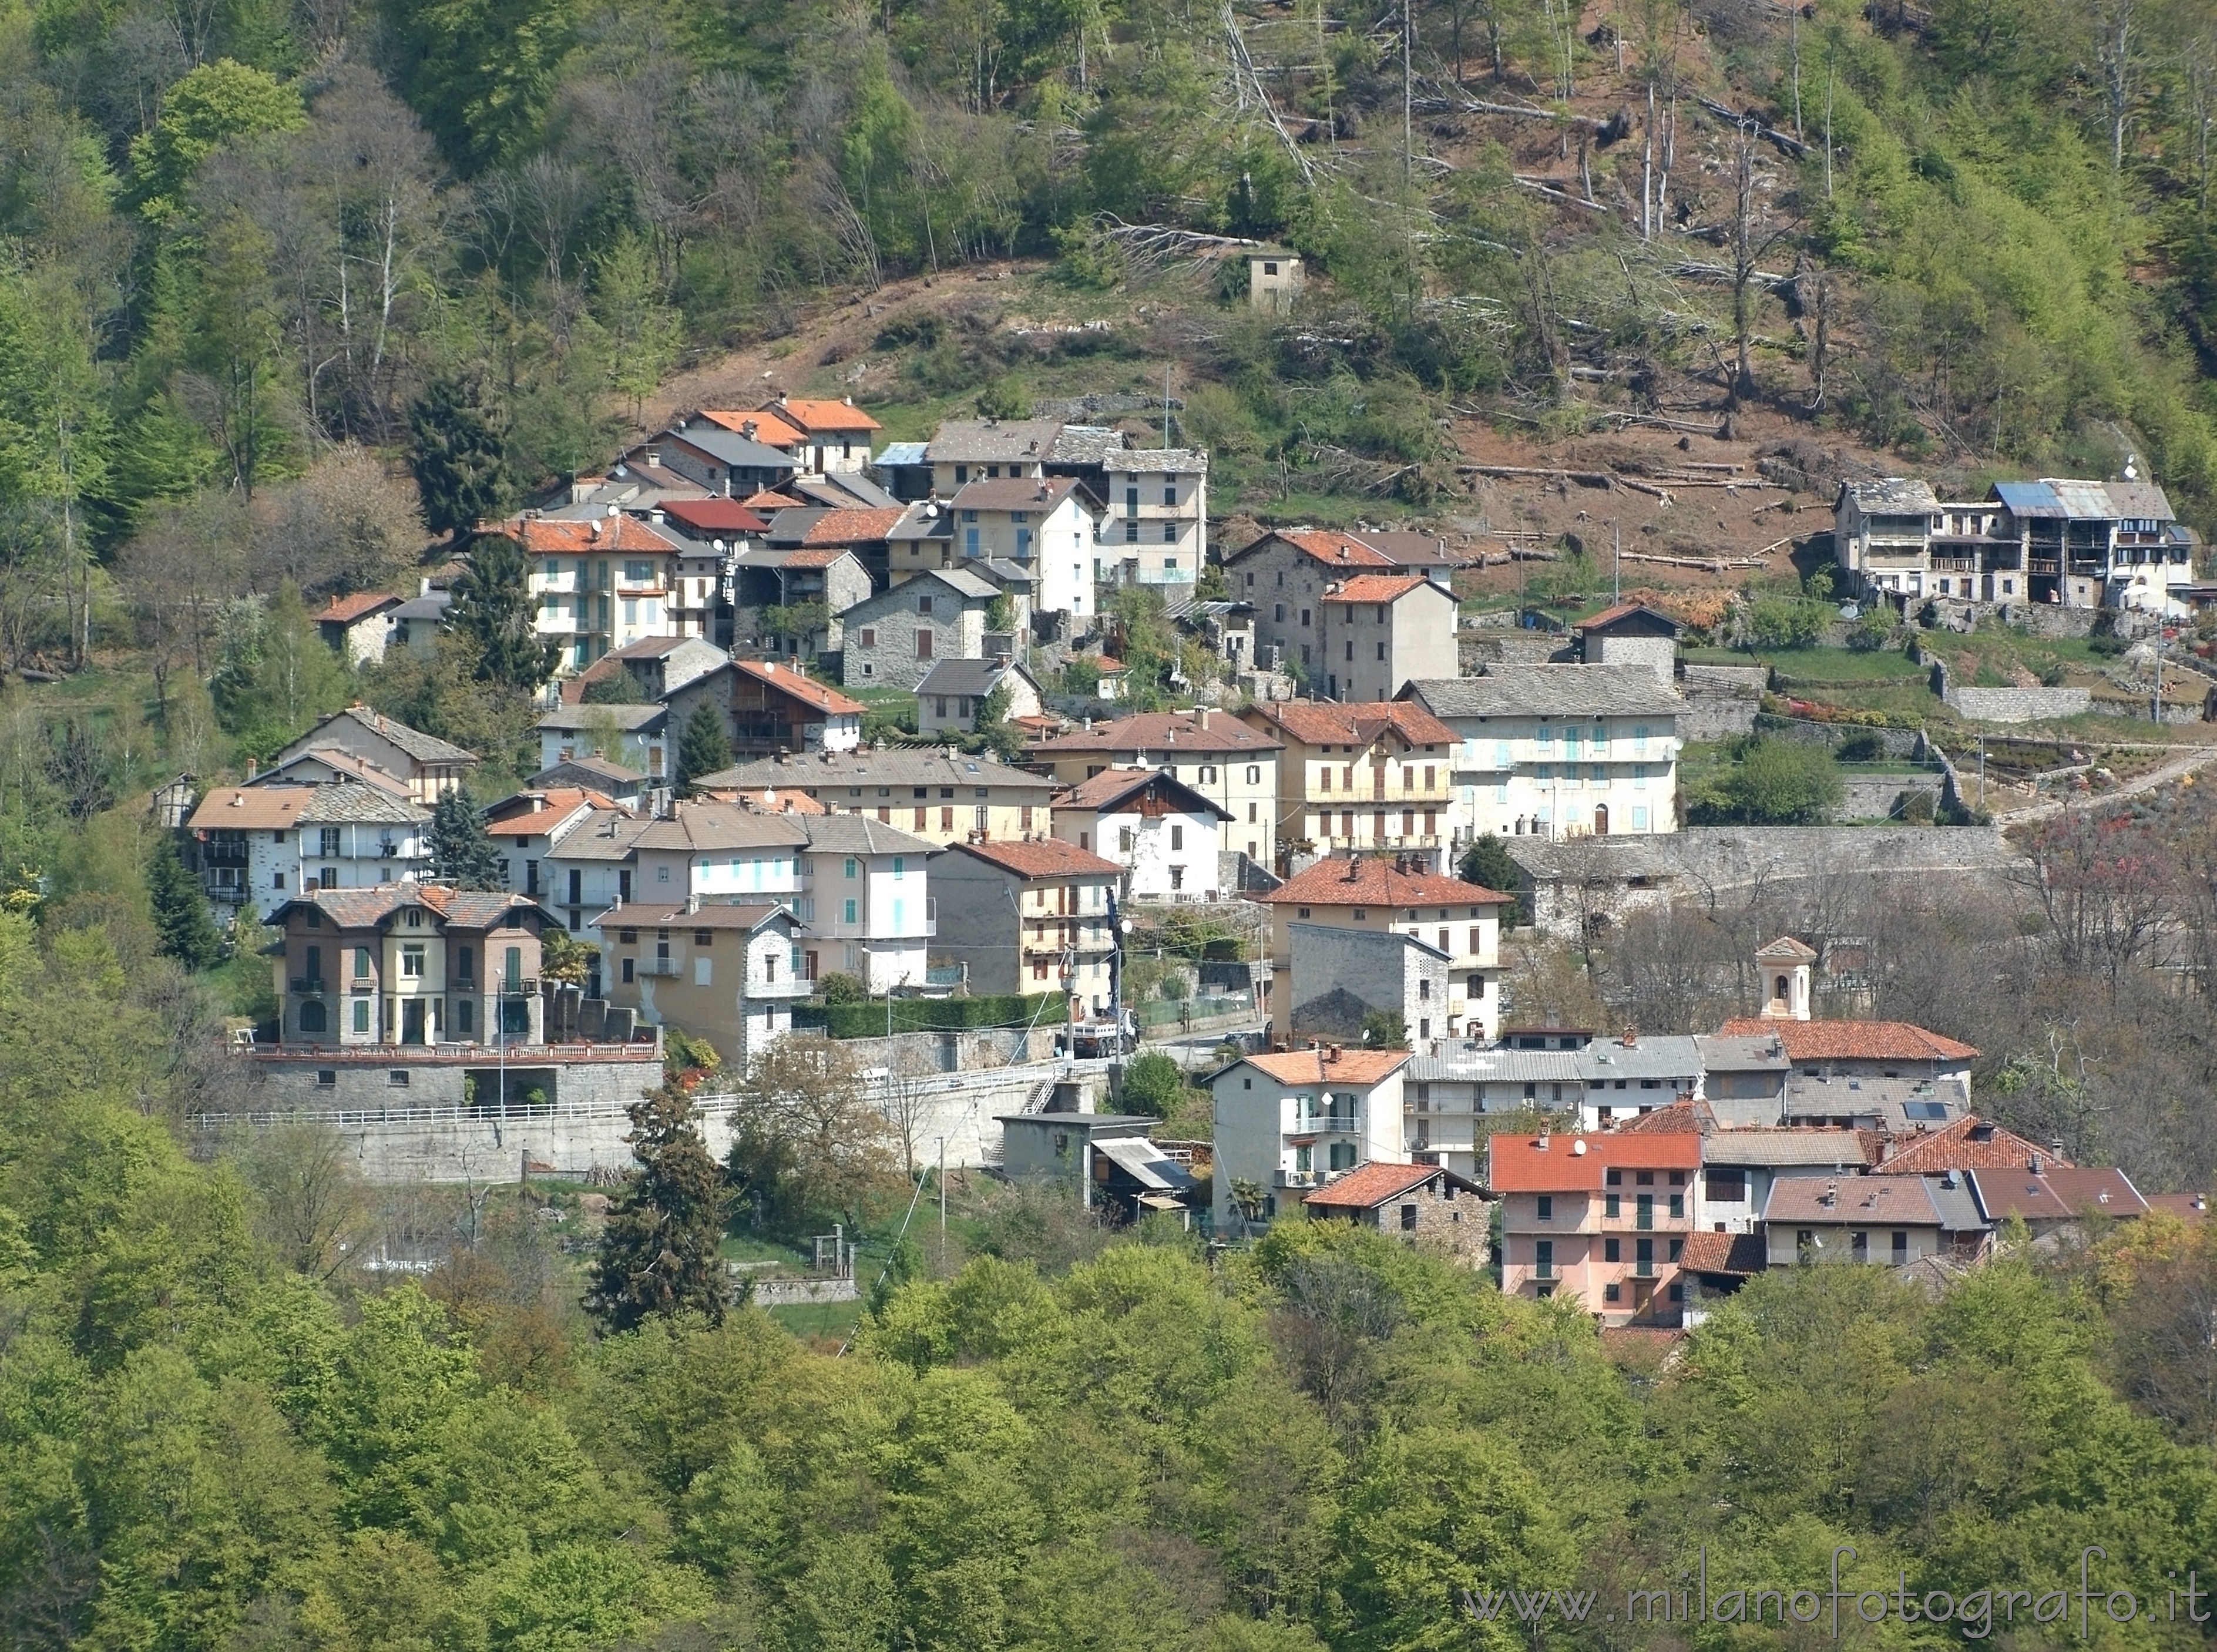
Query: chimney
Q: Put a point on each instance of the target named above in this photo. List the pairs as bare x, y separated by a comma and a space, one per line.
2055, 1147
252, 768
692, 905
1831, 1195
423, 586
2033, 1167
1331, 1053
1632, 1037
747, 428
1201, 720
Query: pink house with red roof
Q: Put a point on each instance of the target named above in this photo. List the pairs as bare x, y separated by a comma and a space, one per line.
1601, 1218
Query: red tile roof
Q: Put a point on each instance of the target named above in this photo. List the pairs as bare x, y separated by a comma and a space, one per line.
1372, 880
2187, 1207
1110, 786
1370, 1185
769, 500
769, 429
345, 610
820, 556
816, 416
555, 799
1734, 1255
713, 516
1570, 1163
255, 808
1340, 550
853, 527
1852, 1041
1364, 1066
548, 536
800, 686
1376, 588
1857, 1199
1624, 611
1969, 1143
1322, 723
1162, 734
1042, 857
1674, 1118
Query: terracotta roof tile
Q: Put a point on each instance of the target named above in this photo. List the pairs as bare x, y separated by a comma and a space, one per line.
1042, 857
1624, 611
1371, 881
1736, 1255
1857, 1200
800, 686
1568, 1164
1322, 723
1111, 786
251, 808
1969, 1143
1852, 1041
817, 556
1364, 1066
1370, 1185
345, 610
1162, 734
1376, 588
769, 500
815, 416
1339, 550
2055, 1193
1674, 1118
2187, 1207
714, 516
853, 527
769, 429
548, 536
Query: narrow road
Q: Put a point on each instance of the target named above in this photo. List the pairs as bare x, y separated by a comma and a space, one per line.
2164, 775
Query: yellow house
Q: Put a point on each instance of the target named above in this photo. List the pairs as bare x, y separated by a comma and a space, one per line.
1374, 778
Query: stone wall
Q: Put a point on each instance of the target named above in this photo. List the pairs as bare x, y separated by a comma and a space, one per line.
1478, 649
335, 1081
1341, 976
1871, 797
1721, 701
2018, 705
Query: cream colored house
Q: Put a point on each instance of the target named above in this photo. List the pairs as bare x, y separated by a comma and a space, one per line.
1373, 779
1560, 750
938, 795
1227, 762
728, 974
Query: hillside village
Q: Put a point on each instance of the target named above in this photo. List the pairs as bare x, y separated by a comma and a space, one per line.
826, 721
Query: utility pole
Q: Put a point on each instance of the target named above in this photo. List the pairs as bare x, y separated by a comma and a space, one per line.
943, 1201
1617, 528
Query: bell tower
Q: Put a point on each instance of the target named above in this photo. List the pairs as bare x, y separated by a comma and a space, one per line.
1781, 970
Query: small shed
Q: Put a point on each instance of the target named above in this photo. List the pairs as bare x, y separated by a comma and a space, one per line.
1631, 633
1275, 279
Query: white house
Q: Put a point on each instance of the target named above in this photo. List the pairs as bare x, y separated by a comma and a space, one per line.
1560, 750
1294, 1121
600, 583
261, 846
1156, 532
868, 907
1043, 522
1164, 834
720, 851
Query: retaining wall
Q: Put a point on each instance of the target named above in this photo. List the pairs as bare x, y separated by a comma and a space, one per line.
2018, 705
1721, 701
1871, 797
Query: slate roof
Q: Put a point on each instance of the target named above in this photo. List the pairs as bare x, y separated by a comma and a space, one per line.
706, 915
1893, 496
367, 908
349, 803
424, 748
1798, 1149
1041, 494
846, 489
967, 441
1177, 461
1042, 857
605, 835
1323, 723
1853, 1041
594, 767
1087, 444
829, 775
1168, 733
1549, 691
692, 827
971, 677
728, 447
861, 834
575, 719
1610, 617
1363, 1067
1373, 881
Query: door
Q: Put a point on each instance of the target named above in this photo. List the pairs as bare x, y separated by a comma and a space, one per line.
1601, 820
411, 1021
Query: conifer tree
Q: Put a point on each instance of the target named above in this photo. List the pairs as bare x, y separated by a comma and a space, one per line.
181, 914
462, 851
494, 608
658, 1252
457, 447
703, 747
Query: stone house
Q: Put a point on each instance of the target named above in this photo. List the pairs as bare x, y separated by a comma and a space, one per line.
1046, 525
1419, 1204
951, 698
427, 764
893, 639
357, 628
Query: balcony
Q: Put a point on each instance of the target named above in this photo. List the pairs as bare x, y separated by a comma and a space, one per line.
1326, 1123
657, 967
308, 986
1543, 1270
1644, 1269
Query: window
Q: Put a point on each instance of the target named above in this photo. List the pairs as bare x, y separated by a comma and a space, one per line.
1170, 537
1408, 1218
1124, 840
327, 1077
1615, 1179
1612, 1250
900, 865
923, 606
1178, 837
923, 643
465, 962
1546, 1210
869, 636
411, 961
362, 1015
1612, 1204
1612, 1292
398, 1078
466, 1015
361, 963
276, 880
1132, 532
327, 842
312, 1015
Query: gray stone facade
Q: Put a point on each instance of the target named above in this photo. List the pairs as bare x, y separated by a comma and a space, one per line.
1341, 976
1721, 701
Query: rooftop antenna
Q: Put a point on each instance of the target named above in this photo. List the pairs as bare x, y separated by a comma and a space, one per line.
1166, 407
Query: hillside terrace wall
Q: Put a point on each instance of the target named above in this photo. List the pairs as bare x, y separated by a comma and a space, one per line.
1721, 701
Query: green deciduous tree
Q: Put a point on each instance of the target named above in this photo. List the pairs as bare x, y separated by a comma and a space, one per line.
659, 1254
274, 677
1770, 783
214, 103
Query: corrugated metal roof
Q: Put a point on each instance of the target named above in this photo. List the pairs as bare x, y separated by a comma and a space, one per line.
902, 453
2086, 501
2028, 498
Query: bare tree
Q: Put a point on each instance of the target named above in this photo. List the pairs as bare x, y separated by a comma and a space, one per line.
311, 1205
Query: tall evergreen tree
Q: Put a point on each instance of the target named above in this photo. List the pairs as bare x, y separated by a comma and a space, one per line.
461, 849
181, 914
703, 747
659, 1250
457, 447
493, 608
